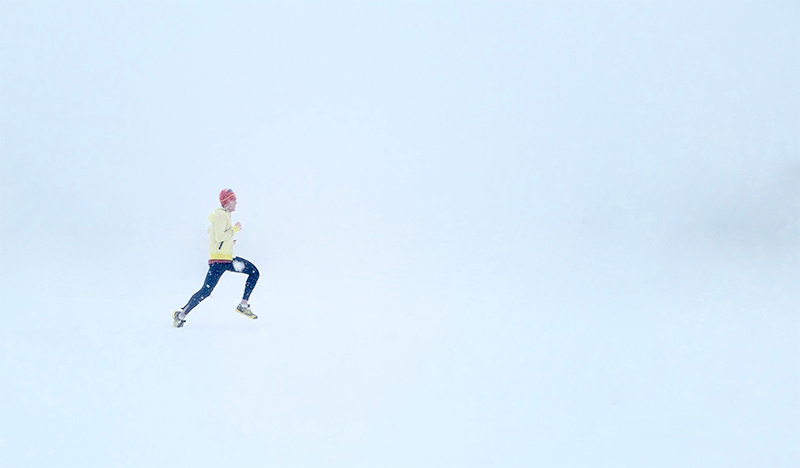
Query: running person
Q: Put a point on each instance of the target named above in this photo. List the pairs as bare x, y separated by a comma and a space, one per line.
221, 259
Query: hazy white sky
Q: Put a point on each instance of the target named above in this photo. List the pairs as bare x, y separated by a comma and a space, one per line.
515, 184
462, 120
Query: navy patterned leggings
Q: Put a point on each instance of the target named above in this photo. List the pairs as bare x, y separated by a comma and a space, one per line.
215, 271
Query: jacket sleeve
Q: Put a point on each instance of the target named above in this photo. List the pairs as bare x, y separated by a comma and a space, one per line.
222, 231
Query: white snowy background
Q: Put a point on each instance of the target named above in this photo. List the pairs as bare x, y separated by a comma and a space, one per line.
506, 234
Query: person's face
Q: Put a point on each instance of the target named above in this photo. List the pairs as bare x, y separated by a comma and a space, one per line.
230, 206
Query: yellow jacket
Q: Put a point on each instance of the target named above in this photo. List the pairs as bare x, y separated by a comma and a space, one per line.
220, 235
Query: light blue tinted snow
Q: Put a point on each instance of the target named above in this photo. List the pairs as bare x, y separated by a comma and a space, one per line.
489, 233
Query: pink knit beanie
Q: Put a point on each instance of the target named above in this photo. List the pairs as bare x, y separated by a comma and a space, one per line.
225, 196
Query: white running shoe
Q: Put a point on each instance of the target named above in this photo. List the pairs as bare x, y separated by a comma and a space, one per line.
245, 310
178, 318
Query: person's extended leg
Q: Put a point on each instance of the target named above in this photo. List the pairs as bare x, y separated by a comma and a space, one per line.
215, 271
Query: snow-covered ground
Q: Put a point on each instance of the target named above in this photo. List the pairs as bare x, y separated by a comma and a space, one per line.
517, 234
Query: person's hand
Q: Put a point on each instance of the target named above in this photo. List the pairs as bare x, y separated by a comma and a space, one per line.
238, 226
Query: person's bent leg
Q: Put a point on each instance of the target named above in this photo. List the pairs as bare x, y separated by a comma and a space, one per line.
240, 265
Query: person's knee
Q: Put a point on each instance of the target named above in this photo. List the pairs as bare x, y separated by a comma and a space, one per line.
205, 292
